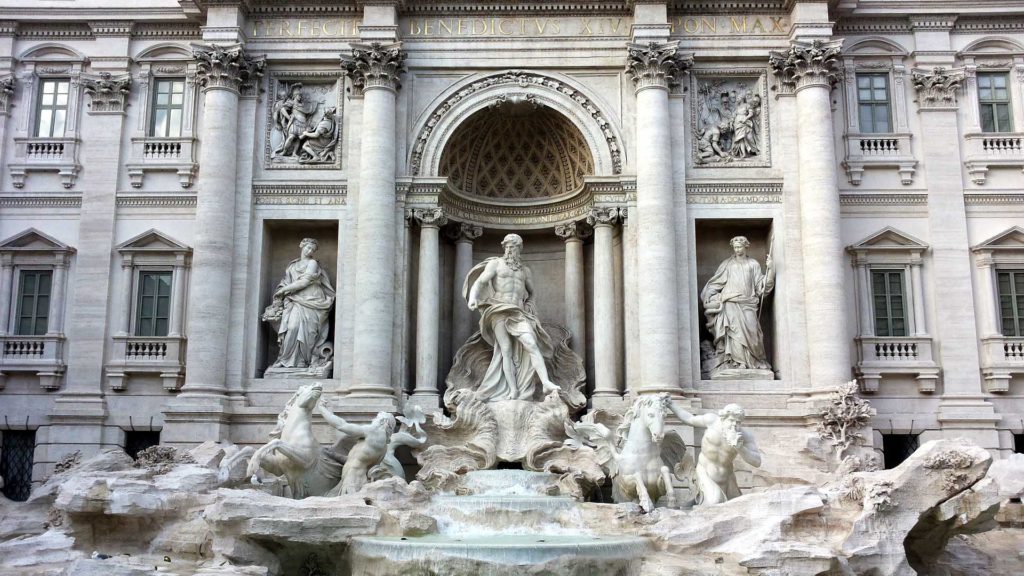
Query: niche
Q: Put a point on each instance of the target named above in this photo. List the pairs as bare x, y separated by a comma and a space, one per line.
281, 240
713, 248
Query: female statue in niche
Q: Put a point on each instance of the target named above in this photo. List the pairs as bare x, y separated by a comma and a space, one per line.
299, 313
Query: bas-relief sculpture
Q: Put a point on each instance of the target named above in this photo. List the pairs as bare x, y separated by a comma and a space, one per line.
305, 125
728, 121
299, 314
732, 300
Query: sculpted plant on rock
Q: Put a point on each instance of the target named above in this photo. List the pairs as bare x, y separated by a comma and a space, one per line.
844, 418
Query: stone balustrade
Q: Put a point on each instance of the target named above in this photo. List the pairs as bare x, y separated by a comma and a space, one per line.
887, 355
163, 356
152, 154
992, 149
879, 151
1001, 358
41, 355
45, 155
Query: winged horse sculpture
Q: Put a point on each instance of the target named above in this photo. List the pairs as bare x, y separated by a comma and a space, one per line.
639, 456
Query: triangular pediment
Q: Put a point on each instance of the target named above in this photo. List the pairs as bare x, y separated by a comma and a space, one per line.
32, 240
1011, 239
152, 240
889, 238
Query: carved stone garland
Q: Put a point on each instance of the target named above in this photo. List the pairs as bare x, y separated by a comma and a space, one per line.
375, 65
937, 89
807, 64
109, 94
226, 66
522, 79
656, 65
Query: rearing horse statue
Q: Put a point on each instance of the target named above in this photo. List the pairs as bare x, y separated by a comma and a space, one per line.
639, 456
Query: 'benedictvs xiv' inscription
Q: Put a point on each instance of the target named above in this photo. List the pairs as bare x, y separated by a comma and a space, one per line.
514, 26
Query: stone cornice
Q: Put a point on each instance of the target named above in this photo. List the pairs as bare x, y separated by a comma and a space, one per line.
155, 200
40, 201
932, 21
936, 89
759, 193
112, 27
299, 194
226, 67
655, 65
375, 65
805, 64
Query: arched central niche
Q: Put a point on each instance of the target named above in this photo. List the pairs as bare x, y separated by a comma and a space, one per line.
515, 151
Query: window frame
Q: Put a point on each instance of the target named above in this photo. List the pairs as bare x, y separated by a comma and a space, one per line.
137, 295
41, 106
1018, 312
170, 107
993, 103
17, 287
872, 103
888, 295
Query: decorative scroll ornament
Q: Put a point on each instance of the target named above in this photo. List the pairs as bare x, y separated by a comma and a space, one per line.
226, 66
432, 217
604, 216
109, 94
807, 64
572, 230
656, 65
937, 89
375, 66
6, 94
465, 232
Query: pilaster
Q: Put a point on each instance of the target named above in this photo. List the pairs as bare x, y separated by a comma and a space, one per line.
462, 318
607, 387
573, 234
426, 393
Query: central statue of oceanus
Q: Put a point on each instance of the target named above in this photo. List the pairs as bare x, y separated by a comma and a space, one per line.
513, 356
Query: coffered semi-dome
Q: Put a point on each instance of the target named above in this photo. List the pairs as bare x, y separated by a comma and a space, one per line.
516, 151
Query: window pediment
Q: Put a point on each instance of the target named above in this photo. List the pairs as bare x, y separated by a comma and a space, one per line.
33, 241
1008, 240
889, 242
153, 247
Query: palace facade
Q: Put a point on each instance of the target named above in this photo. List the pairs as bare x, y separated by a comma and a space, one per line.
161, 161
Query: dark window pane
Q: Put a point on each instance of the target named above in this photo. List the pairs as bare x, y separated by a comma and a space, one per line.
16, 455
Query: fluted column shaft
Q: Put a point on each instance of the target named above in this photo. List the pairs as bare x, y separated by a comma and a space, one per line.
653, 68
374, 69
575, 294
222, 72
605, 355
462, 318
428, 308
810, 70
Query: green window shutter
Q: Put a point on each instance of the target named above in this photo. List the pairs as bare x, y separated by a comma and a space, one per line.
1011, 302
33, 302
887, 291
153, 307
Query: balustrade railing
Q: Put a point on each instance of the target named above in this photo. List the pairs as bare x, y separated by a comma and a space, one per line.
24, 348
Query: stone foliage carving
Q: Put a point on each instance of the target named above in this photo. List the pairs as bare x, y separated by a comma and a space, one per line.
606, 215
299, 314
572, 230
304, 125
732, 299
844, 418
429, 217
729, 121
937, 88
521, 79
655, 65
638, 455
108, 93
464, 232
7, 84
375, 65
226, 66
807, 64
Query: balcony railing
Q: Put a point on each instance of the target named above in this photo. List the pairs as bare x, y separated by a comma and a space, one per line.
1002, 357
153, 154
159, 355
865, 151
909, 355
985, 150
42, 355
45, 155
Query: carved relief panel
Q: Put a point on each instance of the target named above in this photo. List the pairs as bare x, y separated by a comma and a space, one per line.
304, 116
729, 118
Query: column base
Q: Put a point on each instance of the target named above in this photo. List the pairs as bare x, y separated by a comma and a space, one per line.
191, 419
609, 401
368, 400
427, 401
673, 391
971, 417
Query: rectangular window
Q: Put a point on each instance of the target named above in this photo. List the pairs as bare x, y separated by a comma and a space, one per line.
153, 309
890, 302
1011, 301
898, 447
873, 103
16, 454
168, 107
994, 99
136, 441
33, 302
52, 111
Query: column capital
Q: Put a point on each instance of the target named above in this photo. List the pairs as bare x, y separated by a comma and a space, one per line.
606, 216
375, 65
984, 259
226, 67
429, 217
108, 93
571, 231
462, 232
814, 63
936, 88
656, 65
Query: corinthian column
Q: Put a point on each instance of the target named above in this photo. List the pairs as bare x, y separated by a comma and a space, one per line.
223, 71
462, 319
375, 69
606, 357
428, 308
810, 69
575, 296
654, 68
